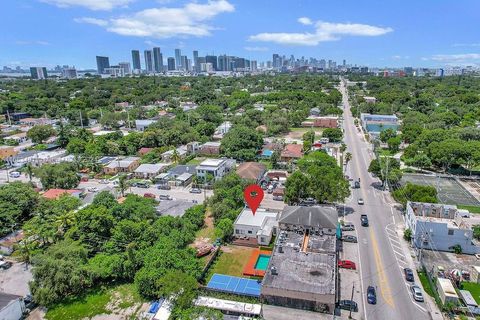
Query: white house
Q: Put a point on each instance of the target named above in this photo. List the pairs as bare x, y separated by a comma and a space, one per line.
222, 130
261, 225
440, 227
141, 125
215, 167
148, 170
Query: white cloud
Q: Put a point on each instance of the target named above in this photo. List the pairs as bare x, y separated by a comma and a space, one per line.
324, 31
305, 21
462, 57
161, 23
256, 48
466, 44
90, 4
98, 22
399, 57
36, 42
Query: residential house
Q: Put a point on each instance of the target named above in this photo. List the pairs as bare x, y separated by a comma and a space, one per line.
7, 153
222, 130
30, 122
302, 271
261, 226
210, 148
128, 164
12, 307
141, 125
291, 152
188, 106
18, 137
144, 151
193, 147
148, 171
321, 122
370, 99
217, 168
57, 193
182, 152
251, 171
440, 227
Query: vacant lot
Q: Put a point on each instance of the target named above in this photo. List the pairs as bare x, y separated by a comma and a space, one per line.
297, 133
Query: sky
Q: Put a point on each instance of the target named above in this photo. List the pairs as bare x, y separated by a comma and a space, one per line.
392, 33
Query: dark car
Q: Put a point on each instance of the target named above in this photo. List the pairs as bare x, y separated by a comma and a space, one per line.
29, 303
164, 187
349, 238
348, 305
371, 295
364, 220
5, 265
357, 185
409, 275
140, 185
308, 202
195, 190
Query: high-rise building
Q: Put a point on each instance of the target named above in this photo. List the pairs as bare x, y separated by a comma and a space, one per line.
148, 55
276, 61
253, 65
115, 71
223, 63
171, 63
126, 67
184, 63
69, 73
157, 60
102, 63
213, 61
323, 64
136, 60
344, 62
38, 73
178, 58
195, 61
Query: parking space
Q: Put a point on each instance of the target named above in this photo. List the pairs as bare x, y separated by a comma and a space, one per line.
269, 203
15, 279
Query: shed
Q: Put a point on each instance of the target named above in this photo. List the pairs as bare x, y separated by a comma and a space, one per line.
468, 298
446, 291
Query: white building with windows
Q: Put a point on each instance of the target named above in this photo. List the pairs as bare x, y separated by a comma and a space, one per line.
217, 168
440, 227
262, 225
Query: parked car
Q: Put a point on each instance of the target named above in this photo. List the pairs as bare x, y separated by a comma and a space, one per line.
164, 187
409, 275
308, 202
356, 185
278, 198
143, 185
347, 264
349, 238
371, 295
348, 305
364, 220
195, 190
30, 304
14, 174
84, 179
416, 293
104, 181
165, 197
92, 189
360, 201
348, 226
149, 195
5, 265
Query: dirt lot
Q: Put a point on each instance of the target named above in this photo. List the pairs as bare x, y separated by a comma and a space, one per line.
297, 133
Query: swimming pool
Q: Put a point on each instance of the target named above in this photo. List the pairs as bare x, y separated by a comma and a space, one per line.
262, 262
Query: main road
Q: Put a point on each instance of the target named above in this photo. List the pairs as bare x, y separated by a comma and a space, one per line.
380, 254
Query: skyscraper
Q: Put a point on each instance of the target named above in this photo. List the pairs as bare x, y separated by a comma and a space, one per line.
222, 63
213, 61
136, 60
148, 60
344, 62
157, 60
195, 61
102, 63
276, 61
126, 67
184, 63
178, 58
171, 63
38, 72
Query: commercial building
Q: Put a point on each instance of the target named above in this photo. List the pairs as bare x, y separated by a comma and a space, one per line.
69, 73
102, 64
38, 73
137, 67
217, 168
232, 308
260, 226
115, 71
370, 99
440, 227
148, 55
321, 122
171, 64
213, 60
302, 269
157, 60
126, 67
376, 123
195, 61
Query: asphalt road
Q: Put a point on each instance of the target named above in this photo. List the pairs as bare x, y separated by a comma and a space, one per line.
379, 265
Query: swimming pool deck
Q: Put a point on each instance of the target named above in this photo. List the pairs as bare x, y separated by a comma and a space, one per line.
249, 269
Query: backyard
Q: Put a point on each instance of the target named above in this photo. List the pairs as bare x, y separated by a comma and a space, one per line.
231, 261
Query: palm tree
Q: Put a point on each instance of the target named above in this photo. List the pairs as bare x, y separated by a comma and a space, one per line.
343, 147
348, 157
29, 171
122, 184
175, 156
64, 221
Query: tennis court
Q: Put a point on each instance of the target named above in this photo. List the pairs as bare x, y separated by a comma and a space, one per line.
237, 285
449, 190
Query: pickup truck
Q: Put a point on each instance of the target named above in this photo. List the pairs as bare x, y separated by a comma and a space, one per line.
364, 220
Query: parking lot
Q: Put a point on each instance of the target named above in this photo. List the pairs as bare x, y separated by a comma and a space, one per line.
15, 279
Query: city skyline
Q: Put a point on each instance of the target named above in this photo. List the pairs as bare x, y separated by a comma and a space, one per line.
371, 35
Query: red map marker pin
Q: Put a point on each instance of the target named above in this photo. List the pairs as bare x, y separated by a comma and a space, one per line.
253, 195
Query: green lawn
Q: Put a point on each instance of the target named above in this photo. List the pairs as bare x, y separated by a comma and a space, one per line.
474, 289
195, 161
232, 262
385, 152
472, 209
94, 303
426, 284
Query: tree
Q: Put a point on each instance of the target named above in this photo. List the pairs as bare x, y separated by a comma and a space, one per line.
76, 146
407, 234
274, 159
296, 188
420, 161
62, 175
348, 158
333, 134
394, 144
308, 139
343, 147
387, 134
180, 285
17, 204
175, 156
224, 229
122, 184
40, 133
241, 143
415, 193
29, 170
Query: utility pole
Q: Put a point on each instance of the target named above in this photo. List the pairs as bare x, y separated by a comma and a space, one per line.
81, 120
351, 299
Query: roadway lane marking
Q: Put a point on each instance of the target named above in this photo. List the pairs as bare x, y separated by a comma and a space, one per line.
399, 253
383, 280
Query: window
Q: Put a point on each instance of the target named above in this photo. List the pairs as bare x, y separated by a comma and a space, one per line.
262, 239
249, 231
450, 232
237, 231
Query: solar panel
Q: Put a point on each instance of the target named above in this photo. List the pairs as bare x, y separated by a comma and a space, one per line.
241, 286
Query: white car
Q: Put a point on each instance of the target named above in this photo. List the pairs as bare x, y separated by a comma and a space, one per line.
93, 189
360, 201
416, 292
14, 174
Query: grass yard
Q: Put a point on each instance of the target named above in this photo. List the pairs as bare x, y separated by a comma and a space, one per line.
474, 289
231, 261
196, 161
426, 284
114, 300
472, 209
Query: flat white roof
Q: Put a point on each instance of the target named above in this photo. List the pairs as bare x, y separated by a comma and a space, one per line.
212, 162
246, 217
228, 305
150, 168
212, 144
447, 287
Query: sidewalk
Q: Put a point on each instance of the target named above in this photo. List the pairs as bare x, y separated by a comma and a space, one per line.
411, 260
